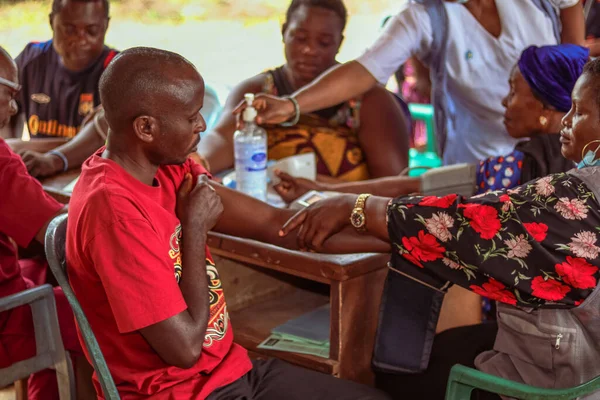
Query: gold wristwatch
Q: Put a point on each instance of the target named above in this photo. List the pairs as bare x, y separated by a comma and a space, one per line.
358, 218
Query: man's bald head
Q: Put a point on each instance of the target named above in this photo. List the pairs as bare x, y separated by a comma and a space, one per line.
8, 87
145, 81
8, 68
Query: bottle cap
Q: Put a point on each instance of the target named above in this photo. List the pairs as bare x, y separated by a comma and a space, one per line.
249, 113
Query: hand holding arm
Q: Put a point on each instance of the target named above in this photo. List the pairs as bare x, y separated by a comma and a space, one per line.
325, 218
179, 339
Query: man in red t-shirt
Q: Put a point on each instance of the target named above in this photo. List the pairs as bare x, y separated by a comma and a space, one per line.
137, 254
25, 212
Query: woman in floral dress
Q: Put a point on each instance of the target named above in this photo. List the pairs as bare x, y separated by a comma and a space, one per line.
533, 248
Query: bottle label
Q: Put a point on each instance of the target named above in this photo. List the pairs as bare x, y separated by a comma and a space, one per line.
259, 157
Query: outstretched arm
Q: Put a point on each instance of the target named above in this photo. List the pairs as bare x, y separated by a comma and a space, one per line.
290, 188
244, 216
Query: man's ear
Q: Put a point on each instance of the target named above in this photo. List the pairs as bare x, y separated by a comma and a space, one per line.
283, 29
50, 21
146, 128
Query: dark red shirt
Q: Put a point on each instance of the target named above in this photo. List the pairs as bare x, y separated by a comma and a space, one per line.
24, 210
125, 265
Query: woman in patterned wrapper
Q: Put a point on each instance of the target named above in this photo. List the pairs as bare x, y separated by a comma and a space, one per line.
534, 249
539, 97
365, 137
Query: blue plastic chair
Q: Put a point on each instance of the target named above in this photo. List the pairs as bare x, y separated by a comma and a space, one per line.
211, 111
55, 253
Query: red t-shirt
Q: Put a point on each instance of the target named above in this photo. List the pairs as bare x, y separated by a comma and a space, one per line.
24, 209
124, 265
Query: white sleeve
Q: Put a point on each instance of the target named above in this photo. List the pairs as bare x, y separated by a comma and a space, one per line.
560, 4
408, 33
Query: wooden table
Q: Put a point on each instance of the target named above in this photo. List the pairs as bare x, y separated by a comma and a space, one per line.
267, 285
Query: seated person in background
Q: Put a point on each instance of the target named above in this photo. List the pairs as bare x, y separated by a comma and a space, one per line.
60, 77
540, 95
366, 137
472, 85
137, 255
25, 211
533, 249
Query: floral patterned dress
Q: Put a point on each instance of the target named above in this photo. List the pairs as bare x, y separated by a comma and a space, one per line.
533, 246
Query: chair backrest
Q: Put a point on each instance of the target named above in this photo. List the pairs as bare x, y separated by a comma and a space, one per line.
50, 352
212, 107
55, 253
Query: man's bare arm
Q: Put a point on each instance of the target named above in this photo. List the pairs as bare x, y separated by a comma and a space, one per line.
244, 216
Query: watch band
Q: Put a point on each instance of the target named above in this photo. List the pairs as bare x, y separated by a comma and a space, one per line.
361, 201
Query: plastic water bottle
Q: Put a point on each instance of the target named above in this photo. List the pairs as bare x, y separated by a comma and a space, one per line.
250, 149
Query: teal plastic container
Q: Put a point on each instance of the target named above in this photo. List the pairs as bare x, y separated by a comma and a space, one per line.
421, 161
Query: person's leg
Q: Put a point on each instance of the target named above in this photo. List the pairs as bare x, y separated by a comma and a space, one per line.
238, 390
454, 346
481, 395
43, 386
274, 380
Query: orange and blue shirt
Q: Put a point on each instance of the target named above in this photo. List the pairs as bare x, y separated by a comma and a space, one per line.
55, 101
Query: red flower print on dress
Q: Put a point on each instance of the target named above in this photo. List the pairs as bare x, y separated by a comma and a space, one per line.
577, 272
495, 290
423, 247
507, 202
484, 219
440, 202
413, 260
550, 289
537, 230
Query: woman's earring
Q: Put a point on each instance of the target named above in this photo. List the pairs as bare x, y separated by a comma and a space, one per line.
589, 159
543, 121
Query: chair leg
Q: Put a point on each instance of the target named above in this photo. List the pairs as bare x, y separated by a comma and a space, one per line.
66, 378
458, 391
21, 389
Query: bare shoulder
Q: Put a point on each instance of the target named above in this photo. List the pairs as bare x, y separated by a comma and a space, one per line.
251, 85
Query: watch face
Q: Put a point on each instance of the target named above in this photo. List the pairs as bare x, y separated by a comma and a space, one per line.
357, 219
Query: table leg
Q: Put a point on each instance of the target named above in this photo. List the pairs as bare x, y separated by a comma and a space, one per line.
354, 314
